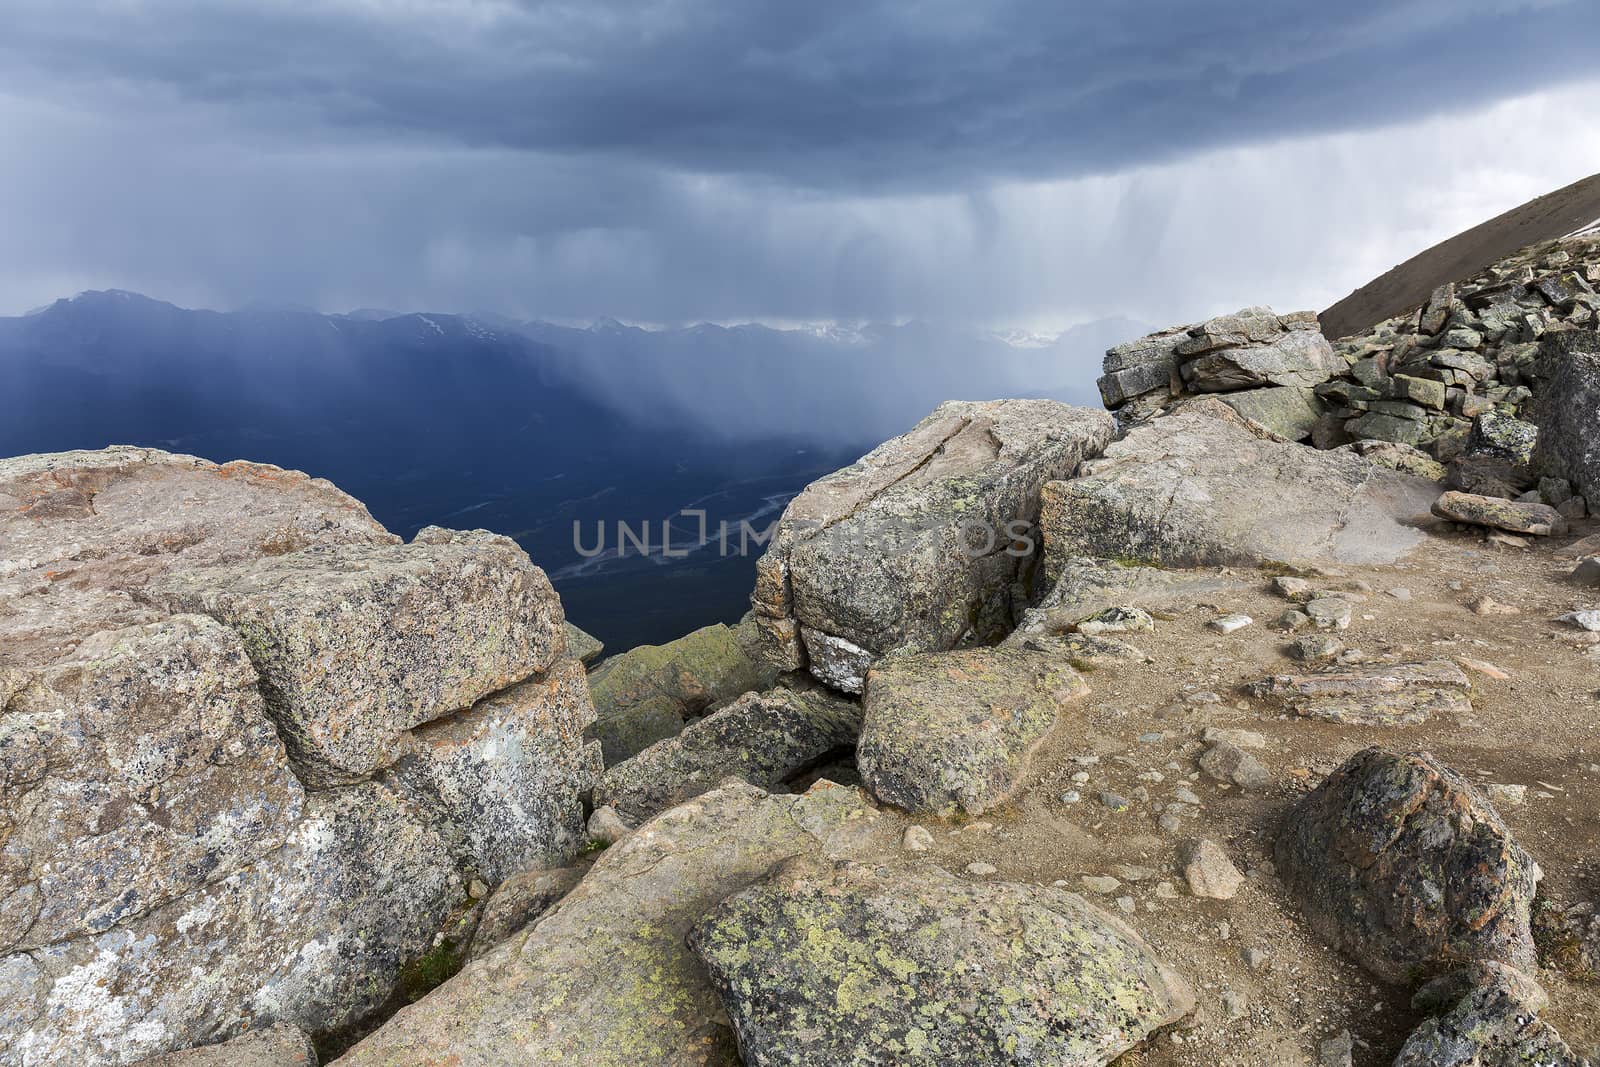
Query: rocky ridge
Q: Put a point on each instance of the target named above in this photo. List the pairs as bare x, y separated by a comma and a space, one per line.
1103, 812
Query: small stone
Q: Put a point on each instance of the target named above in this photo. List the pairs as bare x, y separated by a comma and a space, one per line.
1235, 1005
477, 890
1587, 572
1484, 667
1104, 885
1506, 796
1584, 620
1169, 823
1127, 905
1154, 777
1115, 802
1292, 620
1487, 605
916, 839
606, 825
1184, 795
1228, 624
981, 869
1329, 613
1166, 890
1117, 620
1400, 593
1071, 796
1080, 777
1295, 589
1210, 873
1238, 738
1336, 1051
1227, 763
1315, 648
1256, 958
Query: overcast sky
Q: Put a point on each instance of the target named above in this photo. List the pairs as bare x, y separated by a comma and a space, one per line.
1026, 163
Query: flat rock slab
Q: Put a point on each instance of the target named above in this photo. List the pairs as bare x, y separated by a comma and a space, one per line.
1400, 694
505, 779
852, 965
1399, 862
451, 617
1083, 587
1200, 488
605, 979
953, 731
918, 545
1500, 514
275, 1046
647, 693
763, 738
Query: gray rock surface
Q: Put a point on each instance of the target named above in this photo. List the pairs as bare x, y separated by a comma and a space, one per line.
763, 738
583, 647
1191, 489
852, 964
646, 694
1255, 347
167, 879
504, 779
953, 731
1402, 864
518, 901
450, 618
1567, 412
274, 1046
920, 544
1287, 411
606, 979
1083, 587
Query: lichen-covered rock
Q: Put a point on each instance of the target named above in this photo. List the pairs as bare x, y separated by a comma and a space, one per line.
275, 1046
605, 979
1288, 411
1401, 863
315, 934
646, 694
920, 544
1495, 434
1381, 694
518, 901
134, 769
953, 731
357, 644
504, 780
1512, 515
1198, 488
851, 964
763, 738
1495, 1023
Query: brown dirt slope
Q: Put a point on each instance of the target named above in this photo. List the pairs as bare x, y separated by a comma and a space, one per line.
1408, 285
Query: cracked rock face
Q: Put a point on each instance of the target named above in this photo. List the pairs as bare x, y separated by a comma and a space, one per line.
952, 731
605, 979
1199, 487
1401, 863
171, 873
854, 964
920, 544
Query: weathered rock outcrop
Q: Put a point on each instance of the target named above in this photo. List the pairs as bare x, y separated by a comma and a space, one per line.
606, 979
170, 873
952, 732
1199, 487
646, 694
1404, 865
763, 738
853, 964
921, 543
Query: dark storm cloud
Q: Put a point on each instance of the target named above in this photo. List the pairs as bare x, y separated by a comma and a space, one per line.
825, 93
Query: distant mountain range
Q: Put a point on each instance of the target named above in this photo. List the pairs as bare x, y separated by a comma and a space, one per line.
521, 428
